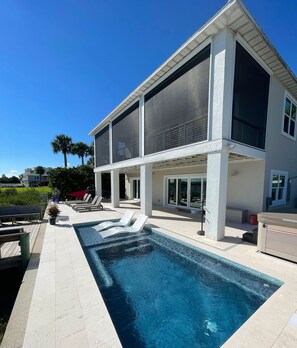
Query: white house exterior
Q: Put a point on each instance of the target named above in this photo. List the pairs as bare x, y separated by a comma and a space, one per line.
31, 178
216, 121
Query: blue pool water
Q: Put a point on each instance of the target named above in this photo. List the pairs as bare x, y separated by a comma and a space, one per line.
161, 293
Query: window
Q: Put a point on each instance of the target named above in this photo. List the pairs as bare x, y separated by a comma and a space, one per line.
289, 119
185, 191
171, 192
278, 189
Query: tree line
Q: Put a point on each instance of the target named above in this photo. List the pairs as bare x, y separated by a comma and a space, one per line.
63, 143
6, 180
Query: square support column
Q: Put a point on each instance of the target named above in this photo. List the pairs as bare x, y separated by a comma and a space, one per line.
221, 85
216, 194
98, 184
146, 189
115, 188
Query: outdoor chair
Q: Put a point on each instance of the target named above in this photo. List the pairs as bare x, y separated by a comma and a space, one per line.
135, 228
94, 200
85, 199
90, 207
123, 222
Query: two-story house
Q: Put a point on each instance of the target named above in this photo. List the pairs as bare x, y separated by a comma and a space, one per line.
31, 178
216, 122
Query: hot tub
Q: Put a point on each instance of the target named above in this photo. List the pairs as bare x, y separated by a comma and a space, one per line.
277, 235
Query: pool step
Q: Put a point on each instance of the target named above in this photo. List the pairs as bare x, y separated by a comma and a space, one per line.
121, 241
138, 247
133, 246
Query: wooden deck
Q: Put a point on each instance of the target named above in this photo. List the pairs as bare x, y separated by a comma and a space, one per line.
12, 249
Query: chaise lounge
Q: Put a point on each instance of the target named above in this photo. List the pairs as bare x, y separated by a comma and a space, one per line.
135, 228
123, 222
74, 205
86, 199
95, 205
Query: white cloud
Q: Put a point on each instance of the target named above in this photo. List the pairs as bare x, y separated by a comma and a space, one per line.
12, 172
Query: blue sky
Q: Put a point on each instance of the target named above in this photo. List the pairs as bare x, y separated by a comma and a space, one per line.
65, 64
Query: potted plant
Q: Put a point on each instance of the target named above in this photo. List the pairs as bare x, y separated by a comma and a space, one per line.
53, 211
55, 195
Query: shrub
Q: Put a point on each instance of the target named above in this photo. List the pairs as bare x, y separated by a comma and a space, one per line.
53, 210
25, 197
68, 180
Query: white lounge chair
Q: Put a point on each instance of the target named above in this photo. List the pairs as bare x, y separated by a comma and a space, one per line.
125, 221
135, 228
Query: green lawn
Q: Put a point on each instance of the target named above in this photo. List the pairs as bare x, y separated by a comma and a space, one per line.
41, 189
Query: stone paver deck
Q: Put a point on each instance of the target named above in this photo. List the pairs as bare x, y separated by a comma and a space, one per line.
68, 310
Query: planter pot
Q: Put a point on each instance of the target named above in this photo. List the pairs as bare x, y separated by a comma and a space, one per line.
56, 199
52, 220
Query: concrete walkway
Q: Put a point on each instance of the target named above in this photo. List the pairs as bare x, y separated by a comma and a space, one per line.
67, 309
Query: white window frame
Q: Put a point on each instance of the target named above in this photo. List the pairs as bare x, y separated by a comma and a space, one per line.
292, 100
180, 176
279, 173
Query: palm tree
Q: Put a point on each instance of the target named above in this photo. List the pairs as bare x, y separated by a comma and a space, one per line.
91, 154
81, 150
39, 170
62, 143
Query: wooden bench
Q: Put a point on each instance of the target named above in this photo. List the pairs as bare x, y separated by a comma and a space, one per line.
11, 234
19, 211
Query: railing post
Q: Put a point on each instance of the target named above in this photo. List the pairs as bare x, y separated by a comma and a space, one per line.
202, 232
25, 249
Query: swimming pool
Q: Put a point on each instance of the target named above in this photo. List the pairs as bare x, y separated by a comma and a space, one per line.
163, 293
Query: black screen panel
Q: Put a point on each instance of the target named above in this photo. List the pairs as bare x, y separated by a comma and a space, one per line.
102, 147
250, 100
176, 111
125, 135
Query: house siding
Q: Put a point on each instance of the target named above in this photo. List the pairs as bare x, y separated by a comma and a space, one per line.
281, 152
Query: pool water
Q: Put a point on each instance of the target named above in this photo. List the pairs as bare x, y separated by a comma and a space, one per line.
161, 293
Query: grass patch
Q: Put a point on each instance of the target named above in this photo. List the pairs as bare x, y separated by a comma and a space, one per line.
25, 196
41, 189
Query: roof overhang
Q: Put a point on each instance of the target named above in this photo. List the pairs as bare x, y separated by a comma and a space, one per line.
235, 16
185, 162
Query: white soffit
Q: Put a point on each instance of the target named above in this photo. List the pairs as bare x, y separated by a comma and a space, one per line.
236, 17
189, 161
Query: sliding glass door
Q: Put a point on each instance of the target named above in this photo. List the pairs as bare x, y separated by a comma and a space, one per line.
182, 192
171, 195
136, 188
195, 198
186, 191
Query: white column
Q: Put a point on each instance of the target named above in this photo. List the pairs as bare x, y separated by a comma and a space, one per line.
221, 85
146, 189
110, 142
115, 188
216, 194
141, 126
98, 184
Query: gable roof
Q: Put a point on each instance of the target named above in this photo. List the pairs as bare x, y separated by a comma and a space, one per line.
237, 18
